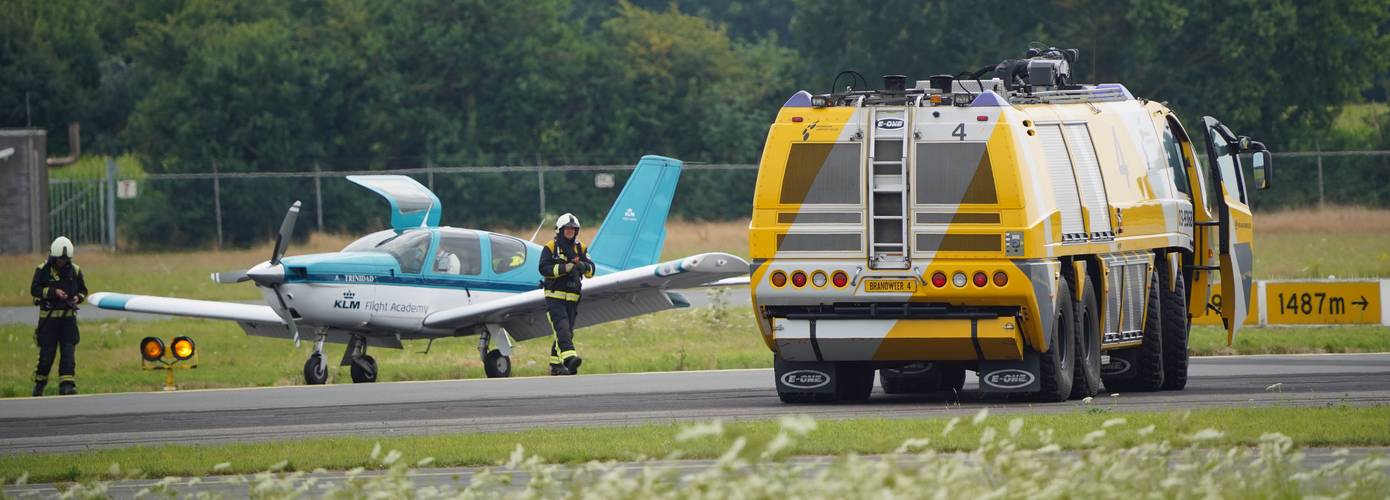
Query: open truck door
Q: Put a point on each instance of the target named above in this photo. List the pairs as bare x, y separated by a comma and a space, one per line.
1235, 229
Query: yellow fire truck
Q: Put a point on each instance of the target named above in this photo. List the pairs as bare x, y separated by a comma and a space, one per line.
1047, 235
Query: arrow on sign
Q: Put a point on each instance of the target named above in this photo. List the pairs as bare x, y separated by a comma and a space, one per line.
1361, 303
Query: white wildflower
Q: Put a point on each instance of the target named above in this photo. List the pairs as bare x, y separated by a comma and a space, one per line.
1015, 425
391, 457
376, 450
1113, 422
222, 466
1087, 400
1278, 387
697, 431
1092, 437
114, 470
778, 443
912, 444
950, 426
1146, 430
277, 466
425, 462
797, 424
1206, 435
980, 417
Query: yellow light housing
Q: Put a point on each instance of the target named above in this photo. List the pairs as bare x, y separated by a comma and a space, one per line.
151, 348
182, 348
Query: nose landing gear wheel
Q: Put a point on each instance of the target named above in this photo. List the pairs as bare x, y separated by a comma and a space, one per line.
364, 370
315, 370
496, 365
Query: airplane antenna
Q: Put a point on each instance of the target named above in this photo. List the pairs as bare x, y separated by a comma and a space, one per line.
538, 230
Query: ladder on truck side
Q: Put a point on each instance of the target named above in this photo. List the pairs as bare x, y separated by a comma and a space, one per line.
889, 130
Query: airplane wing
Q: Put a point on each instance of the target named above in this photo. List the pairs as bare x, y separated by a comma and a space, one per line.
609, 297
185, 307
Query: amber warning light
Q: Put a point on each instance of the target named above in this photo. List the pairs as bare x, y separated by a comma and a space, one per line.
153, 357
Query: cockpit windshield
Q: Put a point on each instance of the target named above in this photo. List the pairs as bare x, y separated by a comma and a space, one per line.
409, 249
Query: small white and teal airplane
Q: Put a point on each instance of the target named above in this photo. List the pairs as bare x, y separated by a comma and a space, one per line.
419, 280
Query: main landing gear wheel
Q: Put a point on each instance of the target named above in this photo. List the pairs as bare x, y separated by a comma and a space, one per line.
364, 370
496, 365
315, 370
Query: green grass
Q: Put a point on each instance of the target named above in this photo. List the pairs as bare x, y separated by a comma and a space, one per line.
702, 339
1208, 340
94, 167
108, 358
1331, 426
1291, 244
1322, 254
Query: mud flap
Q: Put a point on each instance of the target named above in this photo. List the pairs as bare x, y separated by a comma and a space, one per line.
1011, 375
805, 377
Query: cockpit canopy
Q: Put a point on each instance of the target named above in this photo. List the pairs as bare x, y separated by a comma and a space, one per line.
445, 250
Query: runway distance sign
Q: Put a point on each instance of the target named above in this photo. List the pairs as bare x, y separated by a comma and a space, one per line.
1322, 302
1311, 302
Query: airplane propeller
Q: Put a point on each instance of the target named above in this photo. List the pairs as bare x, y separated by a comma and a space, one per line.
273, 275
282, 242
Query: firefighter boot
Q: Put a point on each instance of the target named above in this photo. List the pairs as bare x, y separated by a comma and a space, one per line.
38, 388
67, 389
559, 370
572, 365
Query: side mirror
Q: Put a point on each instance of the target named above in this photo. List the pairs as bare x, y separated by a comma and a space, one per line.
1263, 165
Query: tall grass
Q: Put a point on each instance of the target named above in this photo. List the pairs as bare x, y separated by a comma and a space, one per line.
1007, 459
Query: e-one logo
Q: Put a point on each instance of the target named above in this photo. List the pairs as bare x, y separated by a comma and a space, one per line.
1011, 378
1116, 366
805, 379
891, 123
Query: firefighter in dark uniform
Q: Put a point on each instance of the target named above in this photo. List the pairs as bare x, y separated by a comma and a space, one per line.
57, 289
564, 263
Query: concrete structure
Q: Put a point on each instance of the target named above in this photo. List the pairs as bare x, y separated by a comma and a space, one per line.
24, 191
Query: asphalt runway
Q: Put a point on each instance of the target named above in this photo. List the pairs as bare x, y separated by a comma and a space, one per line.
74, 423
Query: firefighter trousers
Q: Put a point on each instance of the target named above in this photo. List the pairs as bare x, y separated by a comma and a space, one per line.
54, 336
562, 315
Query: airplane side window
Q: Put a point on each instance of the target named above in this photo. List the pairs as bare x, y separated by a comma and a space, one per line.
459, 253
507, 253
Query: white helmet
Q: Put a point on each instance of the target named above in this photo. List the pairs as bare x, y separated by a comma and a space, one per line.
62, 247
567, 220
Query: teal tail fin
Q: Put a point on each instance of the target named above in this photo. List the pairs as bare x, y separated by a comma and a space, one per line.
635, 230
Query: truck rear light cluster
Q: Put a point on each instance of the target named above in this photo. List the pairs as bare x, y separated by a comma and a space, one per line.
979, 278
819, 279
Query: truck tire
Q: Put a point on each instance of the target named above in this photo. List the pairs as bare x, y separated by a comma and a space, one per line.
911, 379
1086, 381
1176, 326
853, 381
1057, 366
1146, 361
